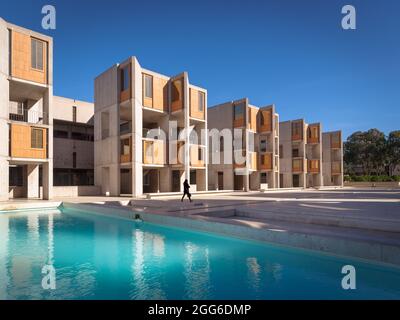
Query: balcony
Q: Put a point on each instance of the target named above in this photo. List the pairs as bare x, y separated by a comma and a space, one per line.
153, 152
336, 167
266, 161
297, 165
18, 113
313, 166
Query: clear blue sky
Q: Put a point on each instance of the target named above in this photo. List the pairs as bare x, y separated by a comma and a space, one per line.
291, 53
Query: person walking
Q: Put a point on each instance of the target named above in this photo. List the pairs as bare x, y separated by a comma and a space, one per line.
186, 192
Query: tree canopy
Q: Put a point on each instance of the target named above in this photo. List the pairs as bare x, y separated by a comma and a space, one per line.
371, 152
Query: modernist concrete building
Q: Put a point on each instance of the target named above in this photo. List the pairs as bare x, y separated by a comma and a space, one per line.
300, 153
332, 158
26, 119
255, 138
137, 148
73, 142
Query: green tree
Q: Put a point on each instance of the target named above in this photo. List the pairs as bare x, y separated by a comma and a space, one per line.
366, 152
393, 150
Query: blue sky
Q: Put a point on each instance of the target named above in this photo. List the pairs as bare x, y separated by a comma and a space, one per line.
291, 53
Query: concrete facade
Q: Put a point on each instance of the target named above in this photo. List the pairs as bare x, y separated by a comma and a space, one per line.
300, 154
26, 119
332, 158
73, 142
255, 136
137, 149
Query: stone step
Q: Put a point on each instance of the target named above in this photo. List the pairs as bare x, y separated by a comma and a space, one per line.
337, 220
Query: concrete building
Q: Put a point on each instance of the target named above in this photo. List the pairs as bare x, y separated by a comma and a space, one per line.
332, 158
137, 148
255, 134
300, 153
26, 119
73, 134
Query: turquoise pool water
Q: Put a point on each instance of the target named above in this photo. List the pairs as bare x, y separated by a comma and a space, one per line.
106, 258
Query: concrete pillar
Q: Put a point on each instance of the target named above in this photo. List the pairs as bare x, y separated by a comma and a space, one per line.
137, 130
4, 110
32, 181
47, 179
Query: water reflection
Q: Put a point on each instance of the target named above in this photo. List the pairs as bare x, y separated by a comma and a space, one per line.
148, 252
4, 239
253, 271
196, 272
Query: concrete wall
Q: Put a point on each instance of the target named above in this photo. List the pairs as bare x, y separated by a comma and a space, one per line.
106, 151
220, 117
62, 110
328, 156
64, 148
75, 191
4, 98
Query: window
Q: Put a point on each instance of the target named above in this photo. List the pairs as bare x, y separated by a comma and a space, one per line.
148, 86
21, 106
199, 155
146, 179
60, 134
221, 144
262, 121
263, 177
125, 147
37, 138
36, 54
192, 177
238, 111
16, 176
295, 153
74, 114
280, 151
263, 145
201, 101
125, 78
73, 159
81, 136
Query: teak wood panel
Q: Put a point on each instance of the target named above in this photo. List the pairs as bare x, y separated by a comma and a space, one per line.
313, 134
253, 160
21, 66
313, 166
336, 140
194, 104
194, 157
297, 130
297, 165
265, 120
153, 152
21, 142
267, 163
252, 122
177, 92
125, 158
160, 94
